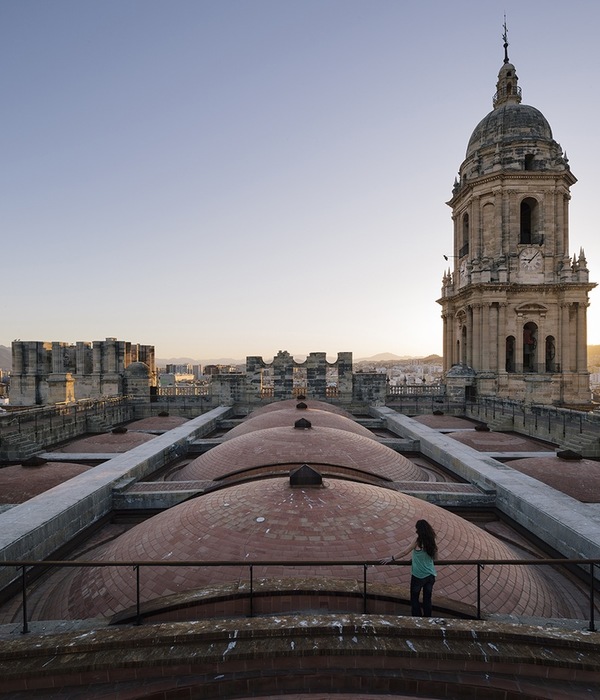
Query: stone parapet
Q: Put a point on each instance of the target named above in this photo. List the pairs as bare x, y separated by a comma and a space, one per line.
375, 654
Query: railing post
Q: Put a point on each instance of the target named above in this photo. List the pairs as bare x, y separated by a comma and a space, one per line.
25, 629
592, 602
365, 589
251, 590
479, 568
138, 618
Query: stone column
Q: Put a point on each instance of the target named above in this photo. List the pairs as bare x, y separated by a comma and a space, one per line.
581, 337
58, 365
476, 362
485, 337
492, 337
97, 358
519, 345
17, 357
468, 351
501, 335
447, 346
565, 338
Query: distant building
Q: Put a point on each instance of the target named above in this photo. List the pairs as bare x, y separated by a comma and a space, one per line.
56, 372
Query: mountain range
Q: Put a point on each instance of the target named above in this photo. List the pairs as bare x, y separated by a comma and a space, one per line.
6, 359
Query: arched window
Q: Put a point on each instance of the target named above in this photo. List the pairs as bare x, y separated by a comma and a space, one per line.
530, 347
464, 248
510, 353
528, 221
550, 354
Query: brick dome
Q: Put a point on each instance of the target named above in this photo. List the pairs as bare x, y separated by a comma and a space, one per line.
282, 448
293, 403
270, 520
579, 479
288, 416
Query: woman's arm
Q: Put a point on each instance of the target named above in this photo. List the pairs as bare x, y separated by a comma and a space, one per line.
387, 560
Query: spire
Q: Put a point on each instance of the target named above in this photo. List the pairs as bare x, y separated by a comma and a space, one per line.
507, 90
505, 38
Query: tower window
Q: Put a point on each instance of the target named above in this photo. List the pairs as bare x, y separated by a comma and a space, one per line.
528, 220
529, 161
464, 249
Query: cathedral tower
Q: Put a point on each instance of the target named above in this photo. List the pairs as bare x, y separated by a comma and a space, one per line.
514, 306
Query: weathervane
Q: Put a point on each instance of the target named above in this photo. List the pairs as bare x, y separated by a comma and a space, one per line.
505, 38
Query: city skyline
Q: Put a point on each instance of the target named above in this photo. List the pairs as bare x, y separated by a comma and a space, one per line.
223, 179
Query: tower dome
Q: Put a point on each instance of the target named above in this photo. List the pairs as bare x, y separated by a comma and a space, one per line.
513, 136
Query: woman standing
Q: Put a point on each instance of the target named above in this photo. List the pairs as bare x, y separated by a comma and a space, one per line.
424, 551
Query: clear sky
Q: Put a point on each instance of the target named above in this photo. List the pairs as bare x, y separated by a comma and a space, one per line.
222, 178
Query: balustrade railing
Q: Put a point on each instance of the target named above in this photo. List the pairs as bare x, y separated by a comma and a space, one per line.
27, 568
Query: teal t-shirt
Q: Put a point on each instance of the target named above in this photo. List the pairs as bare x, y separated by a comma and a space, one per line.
422, 564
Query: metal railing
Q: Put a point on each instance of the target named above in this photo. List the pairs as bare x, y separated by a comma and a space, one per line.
28, 567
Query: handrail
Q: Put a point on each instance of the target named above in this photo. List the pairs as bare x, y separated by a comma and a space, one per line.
26, 566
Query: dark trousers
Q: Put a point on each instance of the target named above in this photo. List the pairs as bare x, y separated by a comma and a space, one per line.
416, 585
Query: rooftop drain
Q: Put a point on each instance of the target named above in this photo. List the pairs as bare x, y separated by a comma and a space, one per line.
305, 476
302, 424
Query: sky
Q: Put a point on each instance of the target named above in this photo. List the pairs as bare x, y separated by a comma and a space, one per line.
223, 178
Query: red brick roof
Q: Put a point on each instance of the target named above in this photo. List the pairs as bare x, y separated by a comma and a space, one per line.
269, 520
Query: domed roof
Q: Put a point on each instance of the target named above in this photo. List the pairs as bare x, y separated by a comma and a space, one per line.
281, 448
579, 479
270, 520
286, 417
509, 123
106, 442
19, 483
138, 369
512, 137
293, 403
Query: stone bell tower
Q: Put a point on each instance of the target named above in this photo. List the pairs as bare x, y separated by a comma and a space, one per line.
514, 305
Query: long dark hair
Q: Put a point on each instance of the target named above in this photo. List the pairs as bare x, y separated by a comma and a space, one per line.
426, 538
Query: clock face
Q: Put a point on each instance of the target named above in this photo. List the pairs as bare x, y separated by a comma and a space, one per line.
531, 259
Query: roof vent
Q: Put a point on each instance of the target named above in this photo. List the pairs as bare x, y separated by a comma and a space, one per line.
300, 397
305, 476
34, 462
301, 405
303, 424
482, 428
568, 454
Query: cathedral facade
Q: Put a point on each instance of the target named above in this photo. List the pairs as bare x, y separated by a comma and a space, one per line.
514, 306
